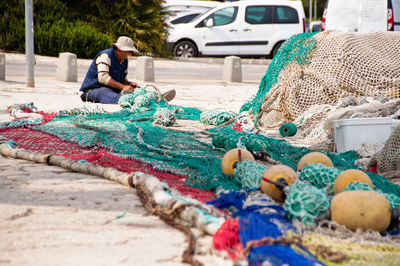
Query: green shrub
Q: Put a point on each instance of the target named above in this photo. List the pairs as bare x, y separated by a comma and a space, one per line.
53, 34
62, 36
12, 25
83, 27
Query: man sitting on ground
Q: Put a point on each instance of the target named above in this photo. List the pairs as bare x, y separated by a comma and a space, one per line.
106, 77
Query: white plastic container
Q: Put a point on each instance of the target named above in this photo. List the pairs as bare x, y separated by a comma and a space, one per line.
352, 133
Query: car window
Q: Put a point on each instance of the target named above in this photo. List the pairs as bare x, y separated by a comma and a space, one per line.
221, 17
184, 19
259, 14
286, 14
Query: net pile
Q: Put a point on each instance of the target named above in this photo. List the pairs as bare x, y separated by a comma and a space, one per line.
269, 237
312, 74
360, 248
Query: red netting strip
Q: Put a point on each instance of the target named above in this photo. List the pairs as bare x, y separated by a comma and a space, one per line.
43, 143
46, 116
227, 238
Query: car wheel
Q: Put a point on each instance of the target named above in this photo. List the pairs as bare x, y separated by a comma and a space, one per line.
276, 48
185, 49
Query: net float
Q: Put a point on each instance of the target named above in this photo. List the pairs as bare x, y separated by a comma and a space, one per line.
233, 157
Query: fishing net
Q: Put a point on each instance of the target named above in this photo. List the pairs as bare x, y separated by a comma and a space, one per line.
305, 202
227, 238
262, 217
318, 78
325, 67
388, 159
249, 174
295, 50
357, 249
320, 176
43, 143
214, 117
277, 149
164, 117
313, 80
178, 152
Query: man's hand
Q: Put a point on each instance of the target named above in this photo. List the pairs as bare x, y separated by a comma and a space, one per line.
133, 84
127, 89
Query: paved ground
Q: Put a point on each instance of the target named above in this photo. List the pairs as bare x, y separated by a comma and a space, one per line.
50, 216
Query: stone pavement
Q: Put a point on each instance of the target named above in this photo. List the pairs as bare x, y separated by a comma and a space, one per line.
51, 216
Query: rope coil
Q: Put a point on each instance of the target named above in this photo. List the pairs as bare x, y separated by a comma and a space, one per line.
288, 130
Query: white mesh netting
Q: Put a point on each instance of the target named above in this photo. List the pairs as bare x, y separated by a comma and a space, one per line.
347, 75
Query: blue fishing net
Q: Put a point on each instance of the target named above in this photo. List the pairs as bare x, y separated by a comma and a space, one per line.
259, 217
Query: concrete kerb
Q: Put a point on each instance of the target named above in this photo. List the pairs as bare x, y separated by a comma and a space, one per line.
18, 57
221, 60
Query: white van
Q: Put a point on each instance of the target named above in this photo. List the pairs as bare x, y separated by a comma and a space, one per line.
361, 15
176, 6
396, 14
251, 28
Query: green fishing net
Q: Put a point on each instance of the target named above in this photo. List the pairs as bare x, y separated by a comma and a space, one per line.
164, 117
214, 117
181, 153
305, 202
277, 149
138, 98
384, 184
249, 174
320, 176
294, 50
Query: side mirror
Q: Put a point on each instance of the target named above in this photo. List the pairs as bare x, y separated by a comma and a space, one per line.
209, 23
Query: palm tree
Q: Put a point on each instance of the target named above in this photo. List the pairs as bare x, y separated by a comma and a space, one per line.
142, 20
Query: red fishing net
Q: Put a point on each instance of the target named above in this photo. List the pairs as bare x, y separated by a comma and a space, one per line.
227, 238
43, 143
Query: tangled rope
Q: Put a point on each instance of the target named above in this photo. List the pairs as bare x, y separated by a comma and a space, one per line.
170, 218
164, 117
320, 250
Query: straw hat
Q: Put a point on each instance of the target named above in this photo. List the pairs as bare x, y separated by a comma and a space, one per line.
125, 44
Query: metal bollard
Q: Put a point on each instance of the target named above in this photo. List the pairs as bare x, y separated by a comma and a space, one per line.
67, 67
2, 66
232, 69
145, 68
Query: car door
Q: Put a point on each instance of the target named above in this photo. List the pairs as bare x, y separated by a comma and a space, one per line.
219, 32
256, 30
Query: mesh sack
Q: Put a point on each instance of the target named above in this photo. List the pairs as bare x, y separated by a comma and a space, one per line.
320, 176
249, 174
305, 202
